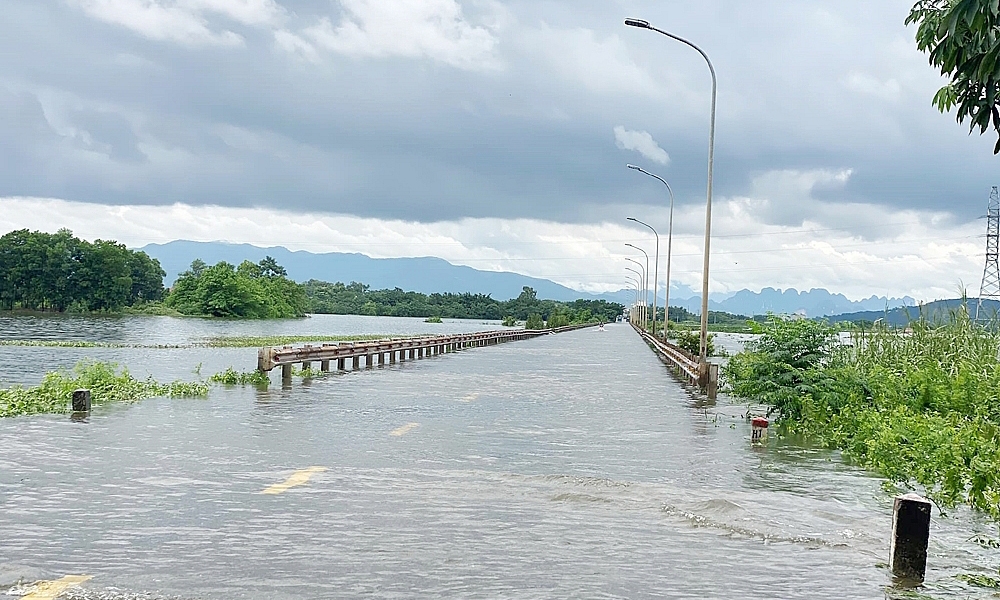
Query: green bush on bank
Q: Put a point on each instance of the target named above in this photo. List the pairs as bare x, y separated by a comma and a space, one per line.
106, 381
920, 406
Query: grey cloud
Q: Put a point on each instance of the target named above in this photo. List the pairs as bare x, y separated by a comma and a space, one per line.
803, 87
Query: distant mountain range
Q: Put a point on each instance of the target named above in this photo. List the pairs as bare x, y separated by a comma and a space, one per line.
429, 275
936, 311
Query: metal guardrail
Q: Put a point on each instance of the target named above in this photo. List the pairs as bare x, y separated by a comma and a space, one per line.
685, 362
375, 352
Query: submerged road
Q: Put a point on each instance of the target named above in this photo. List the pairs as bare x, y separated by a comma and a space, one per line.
568, 466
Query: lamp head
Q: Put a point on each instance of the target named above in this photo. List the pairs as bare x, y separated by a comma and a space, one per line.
631, 219
633, 167
637, 23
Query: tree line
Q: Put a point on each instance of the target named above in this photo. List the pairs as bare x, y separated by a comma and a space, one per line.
359, 299
58, 271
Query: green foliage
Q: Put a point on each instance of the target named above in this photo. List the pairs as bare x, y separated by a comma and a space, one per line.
233, 377
247, 341
358, 299
433, 320
690, 341
106, 381
57, 271
960, 38
920, 406
534, 321
557, 318
249, 291
509, 321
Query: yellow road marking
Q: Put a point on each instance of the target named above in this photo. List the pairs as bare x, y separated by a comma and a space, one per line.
49, 590
404, 429
471, 397
298, 478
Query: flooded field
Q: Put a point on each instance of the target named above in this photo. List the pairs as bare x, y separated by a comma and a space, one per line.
572, 465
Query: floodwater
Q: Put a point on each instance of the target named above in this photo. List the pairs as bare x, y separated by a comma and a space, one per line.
571, 465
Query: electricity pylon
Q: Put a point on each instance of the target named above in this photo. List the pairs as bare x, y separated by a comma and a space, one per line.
990, 288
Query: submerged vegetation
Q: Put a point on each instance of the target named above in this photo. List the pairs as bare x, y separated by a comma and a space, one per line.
233, 377
107, 382
248, 341
919, 406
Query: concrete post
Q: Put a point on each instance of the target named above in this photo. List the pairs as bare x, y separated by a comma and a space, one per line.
340, 364
306, 366
286, 373
713, 381
911, 523
392, 357
81, 400
324, 365
357, 363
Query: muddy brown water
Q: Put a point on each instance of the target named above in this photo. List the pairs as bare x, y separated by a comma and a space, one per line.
571, 465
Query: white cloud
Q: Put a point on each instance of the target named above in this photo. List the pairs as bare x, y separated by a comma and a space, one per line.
183, 21
435, 29
918, 253
641, 142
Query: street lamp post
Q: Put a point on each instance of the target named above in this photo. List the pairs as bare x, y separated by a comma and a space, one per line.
703, 353
635, 302
645, 295
647, 280
656, 269
670, 241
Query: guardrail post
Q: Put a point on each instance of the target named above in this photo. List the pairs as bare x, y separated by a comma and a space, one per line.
307, 366
286, 373
357, 362
713, 381
911, 522
340, 364
81, 400
324, 365
392, 357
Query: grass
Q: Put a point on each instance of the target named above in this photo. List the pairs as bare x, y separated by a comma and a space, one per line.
107, 382
921, 407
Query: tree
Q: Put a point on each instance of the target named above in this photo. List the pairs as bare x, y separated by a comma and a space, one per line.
962, 39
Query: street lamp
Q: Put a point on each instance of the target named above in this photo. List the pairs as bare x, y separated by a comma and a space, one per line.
642, 277
647, 278
635, 301
670, 240
645, 294
703, 353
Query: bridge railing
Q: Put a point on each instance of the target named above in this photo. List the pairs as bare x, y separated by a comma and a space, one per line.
684, 362
375, 351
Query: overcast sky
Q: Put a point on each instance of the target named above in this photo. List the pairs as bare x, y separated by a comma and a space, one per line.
496, 134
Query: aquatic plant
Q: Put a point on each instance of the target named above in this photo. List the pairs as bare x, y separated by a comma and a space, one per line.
233, 377
509, 321
433, 320
107, 382
283, 340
